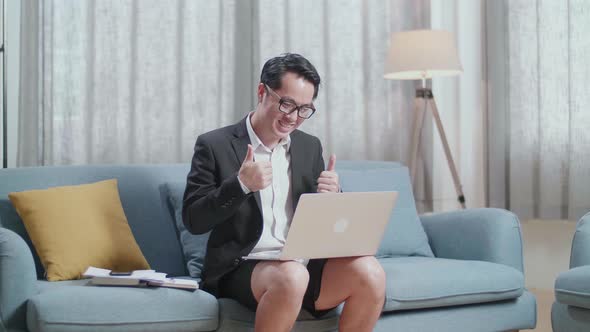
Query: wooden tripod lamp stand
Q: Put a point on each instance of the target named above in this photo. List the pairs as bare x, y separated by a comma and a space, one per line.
421, 55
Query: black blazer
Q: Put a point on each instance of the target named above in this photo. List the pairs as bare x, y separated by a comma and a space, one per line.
214, 200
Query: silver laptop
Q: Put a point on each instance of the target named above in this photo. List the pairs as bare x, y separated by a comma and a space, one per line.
335, 225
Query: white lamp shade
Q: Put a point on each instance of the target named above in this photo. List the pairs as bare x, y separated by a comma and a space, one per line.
421, 54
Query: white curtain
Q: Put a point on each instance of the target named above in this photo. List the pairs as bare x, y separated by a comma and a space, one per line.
461, 102
137, 81
538, 136
126, 81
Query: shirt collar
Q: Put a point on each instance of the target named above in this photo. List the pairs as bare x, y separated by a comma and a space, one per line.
255, 140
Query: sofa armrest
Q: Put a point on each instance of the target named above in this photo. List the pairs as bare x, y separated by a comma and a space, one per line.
581, 243
572, 287
488, 234
17, 280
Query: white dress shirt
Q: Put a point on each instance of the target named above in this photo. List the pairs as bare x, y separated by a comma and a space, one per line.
276, 199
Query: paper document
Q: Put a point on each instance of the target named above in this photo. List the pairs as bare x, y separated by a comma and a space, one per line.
103, 277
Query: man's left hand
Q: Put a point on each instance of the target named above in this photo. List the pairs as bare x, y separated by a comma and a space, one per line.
328, 180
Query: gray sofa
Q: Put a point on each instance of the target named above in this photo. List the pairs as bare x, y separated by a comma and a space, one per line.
571, 310
457, 271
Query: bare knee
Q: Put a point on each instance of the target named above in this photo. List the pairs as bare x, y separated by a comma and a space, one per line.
290, 281
293, 279
371, 277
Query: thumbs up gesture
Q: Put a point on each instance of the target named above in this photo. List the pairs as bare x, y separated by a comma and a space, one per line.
255, 175
328, 180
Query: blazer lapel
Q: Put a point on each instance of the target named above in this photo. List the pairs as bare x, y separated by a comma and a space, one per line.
297, 166
240, 145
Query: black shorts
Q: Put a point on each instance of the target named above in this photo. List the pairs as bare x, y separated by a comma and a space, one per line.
236, 285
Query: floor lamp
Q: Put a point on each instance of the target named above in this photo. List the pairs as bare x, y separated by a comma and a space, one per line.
421, 55
4, 97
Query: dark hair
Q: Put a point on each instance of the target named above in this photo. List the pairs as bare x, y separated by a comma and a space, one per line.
274, 69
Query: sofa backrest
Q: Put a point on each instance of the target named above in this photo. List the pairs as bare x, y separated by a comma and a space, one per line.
580, 252
141, 188
404, 235
144, 195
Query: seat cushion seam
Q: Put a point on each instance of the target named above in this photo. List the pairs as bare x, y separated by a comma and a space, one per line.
127, 322
454, 295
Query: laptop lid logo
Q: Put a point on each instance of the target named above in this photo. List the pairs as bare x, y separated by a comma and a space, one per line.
340, 226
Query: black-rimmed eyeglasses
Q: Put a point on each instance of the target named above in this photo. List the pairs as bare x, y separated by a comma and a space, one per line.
289, 106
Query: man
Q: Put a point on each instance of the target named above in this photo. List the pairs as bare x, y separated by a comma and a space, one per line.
244, 184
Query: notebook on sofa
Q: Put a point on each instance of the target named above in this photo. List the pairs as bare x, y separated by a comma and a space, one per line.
137, 278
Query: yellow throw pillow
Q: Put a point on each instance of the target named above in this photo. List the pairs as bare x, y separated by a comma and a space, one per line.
73, 227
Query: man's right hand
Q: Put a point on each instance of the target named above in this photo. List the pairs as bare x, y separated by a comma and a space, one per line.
255, 175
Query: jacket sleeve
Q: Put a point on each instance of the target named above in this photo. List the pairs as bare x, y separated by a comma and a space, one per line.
207, 203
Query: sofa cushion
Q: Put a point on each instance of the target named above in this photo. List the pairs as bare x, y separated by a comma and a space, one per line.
404, 236
70, 306
573, 287
519, 314
194, 246
73, 227
424, 282
235, 317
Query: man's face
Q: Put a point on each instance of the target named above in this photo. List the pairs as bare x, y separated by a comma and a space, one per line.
294, 89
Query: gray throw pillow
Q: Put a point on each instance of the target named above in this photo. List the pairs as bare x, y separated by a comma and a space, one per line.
194, 246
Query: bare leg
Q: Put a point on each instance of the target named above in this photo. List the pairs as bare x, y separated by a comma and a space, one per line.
360, 282
279, 288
